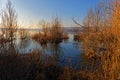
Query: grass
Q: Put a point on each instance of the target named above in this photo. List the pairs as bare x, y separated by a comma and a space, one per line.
100, 45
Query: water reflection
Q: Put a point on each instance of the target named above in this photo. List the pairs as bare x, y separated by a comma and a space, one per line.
64, 51
56, 50
26, 45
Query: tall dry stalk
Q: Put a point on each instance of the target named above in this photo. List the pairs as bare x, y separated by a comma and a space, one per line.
101, 52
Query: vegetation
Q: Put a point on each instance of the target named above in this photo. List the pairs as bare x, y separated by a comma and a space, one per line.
10, 24
99, 35
52, 34
101, 42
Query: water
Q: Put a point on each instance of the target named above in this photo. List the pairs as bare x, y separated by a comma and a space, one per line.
67, 51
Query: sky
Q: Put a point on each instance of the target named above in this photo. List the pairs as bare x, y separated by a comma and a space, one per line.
33, 11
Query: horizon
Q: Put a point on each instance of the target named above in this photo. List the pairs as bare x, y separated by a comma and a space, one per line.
31, 12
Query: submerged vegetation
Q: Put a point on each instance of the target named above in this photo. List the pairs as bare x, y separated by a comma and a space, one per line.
99, 35
51, 33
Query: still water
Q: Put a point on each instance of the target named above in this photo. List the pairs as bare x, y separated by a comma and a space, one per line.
67, 50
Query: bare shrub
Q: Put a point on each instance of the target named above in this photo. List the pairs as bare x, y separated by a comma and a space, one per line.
51, 32
56, 30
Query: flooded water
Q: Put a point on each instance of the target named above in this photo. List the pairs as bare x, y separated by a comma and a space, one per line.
67, 50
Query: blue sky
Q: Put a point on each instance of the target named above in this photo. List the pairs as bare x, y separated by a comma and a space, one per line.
32, 11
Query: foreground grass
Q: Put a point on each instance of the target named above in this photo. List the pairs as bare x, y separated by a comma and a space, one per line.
100, 43
35, 66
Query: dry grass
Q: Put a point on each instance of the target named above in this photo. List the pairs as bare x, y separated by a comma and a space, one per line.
101, 42
100, 45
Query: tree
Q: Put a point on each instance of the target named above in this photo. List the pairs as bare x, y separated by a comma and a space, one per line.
9, 23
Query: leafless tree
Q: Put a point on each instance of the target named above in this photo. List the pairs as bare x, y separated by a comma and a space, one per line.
9, 22
9, 25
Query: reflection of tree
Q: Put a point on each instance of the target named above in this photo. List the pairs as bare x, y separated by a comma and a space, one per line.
24, 38
24, 43
56, 50
23, 34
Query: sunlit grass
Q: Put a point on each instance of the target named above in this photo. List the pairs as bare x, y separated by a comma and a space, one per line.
99, 35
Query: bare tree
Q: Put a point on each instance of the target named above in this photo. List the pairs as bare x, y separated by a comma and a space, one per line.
9, 24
